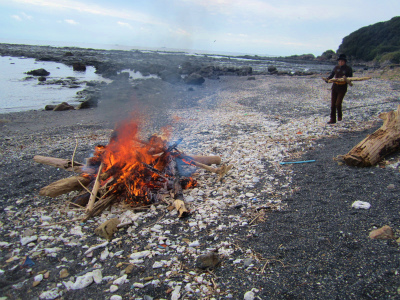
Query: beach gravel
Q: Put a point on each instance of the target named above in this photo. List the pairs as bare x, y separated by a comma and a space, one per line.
270, 231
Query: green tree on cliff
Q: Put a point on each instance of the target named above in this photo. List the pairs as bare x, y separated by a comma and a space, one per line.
380, 41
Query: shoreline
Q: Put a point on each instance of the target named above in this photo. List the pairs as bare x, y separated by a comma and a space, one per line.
281, 231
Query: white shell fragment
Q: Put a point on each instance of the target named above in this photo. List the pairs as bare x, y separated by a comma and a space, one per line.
138, 255
361, 204
83, 281
26, 240
91, 249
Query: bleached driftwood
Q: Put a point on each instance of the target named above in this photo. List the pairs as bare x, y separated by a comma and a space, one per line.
65, 164
95, 189
64, 186
348, 79
376, 146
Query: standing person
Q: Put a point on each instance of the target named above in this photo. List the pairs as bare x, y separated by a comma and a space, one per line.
339, 89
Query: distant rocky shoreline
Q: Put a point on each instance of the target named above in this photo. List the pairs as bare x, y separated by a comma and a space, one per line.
109, 63
176, 68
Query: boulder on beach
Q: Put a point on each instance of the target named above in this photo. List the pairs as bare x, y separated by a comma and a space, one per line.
170, 76
38, 72
49, 107
272, 69
63, 106
90, 102
78, 66
246, 70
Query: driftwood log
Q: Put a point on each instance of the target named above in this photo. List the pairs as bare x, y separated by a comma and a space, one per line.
206, 160
376, 146
64, 186
65, 164
348, 79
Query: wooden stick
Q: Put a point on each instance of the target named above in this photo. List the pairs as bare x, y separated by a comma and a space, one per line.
221, 171
95, 189
207, 160
65, 164
99, 206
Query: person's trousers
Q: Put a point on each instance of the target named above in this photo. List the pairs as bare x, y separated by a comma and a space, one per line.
338, 92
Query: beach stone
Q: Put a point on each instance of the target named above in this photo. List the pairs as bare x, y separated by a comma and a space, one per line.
35, 283
208, 261
247, 262
116, 297
249, 295
28, 232
108, 228
129, 269
113, 288
64, 273
383, 233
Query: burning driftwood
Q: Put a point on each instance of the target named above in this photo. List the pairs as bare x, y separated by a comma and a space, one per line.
376, 146
131, 170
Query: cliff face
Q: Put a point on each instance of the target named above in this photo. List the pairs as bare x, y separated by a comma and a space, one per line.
380, 41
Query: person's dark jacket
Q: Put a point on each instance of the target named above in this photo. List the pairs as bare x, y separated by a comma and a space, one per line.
340, 71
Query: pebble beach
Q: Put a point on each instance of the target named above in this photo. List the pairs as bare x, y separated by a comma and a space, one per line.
277, 231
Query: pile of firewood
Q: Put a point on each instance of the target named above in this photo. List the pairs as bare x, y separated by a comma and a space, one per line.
131, 170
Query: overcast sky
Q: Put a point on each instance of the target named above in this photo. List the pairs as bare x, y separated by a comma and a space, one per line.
263, 27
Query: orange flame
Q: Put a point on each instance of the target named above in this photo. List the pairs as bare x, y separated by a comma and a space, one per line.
136, 167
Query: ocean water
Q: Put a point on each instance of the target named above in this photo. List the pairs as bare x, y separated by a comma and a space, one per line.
17, 93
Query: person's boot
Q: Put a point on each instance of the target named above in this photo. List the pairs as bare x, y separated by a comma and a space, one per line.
331, 122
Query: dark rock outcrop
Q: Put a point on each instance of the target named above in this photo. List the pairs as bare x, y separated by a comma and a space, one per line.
38, 72
195, 79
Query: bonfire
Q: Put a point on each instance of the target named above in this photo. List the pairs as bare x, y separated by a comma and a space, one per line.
131, 170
